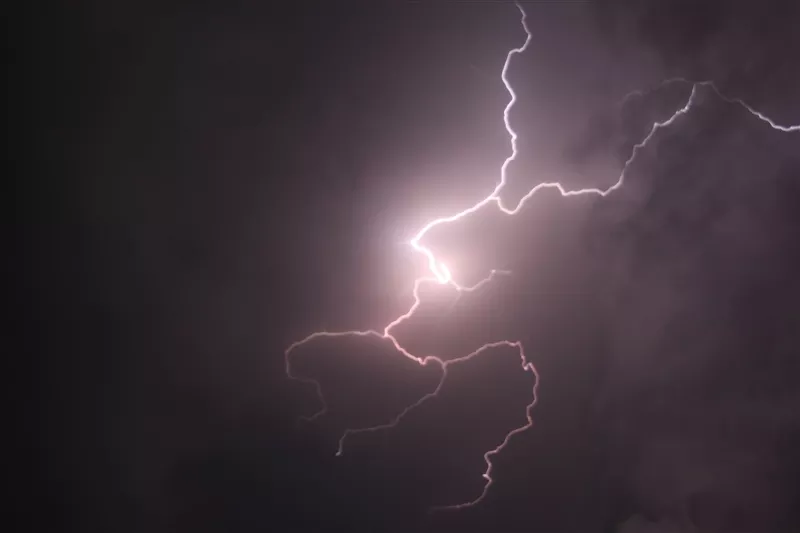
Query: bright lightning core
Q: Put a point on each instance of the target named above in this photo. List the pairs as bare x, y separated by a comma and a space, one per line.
440, 274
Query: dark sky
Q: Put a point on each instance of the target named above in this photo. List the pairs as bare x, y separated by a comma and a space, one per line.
213, 181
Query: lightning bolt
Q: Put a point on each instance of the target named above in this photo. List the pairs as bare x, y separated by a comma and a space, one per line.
441, 274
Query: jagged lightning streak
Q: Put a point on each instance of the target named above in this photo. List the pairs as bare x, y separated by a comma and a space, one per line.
738, 101
442, 275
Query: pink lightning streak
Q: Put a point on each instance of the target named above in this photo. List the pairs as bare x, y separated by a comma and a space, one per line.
442, 276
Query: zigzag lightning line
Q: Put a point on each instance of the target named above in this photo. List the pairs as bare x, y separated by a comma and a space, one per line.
441, 274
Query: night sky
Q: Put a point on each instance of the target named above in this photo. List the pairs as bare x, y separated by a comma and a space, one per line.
213, 181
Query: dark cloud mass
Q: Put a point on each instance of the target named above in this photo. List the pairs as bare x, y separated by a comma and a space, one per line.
215, 182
